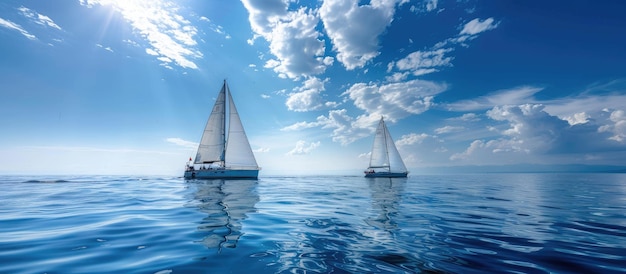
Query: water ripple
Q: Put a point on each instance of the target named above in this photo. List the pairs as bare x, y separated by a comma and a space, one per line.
524, 223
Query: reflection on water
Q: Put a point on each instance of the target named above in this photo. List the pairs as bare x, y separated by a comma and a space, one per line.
226, 203
475, 223
386, 195
344, 228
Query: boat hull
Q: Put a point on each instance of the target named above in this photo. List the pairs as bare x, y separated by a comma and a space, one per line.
386, 174
222, 174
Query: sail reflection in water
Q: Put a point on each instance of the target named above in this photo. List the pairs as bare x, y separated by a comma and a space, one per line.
386, 195
227, 204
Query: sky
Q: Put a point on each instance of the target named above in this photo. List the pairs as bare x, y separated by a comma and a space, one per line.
101, 87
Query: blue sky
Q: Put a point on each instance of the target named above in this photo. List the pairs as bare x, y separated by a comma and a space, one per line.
125, 87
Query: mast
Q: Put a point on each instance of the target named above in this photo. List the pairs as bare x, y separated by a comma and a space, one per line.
211, 147
223, 156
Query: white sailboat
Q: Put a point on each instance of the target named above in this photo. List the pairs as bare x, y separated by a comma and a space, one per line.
222, 156
385, 161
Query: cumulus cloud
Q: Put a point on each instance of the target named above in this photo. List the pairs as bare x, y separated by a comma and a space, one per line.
530, 123
590, 105
424, 62
308, 97
617, 128
394, 100
345, 130
303, 148
532, 134
292, 35
265, 14
354, 29
577, 118
575, 109
169, 33
411, 138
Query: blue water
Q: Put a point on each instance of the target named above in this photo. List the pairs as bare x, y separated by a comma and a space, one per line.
521, 223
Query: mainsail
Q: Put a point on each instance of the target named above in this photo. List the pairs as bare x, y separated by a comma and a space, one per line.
211, 148
385, 155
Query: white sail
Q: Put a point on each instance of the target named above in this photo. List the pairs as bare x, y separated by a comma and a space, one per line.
224, 145
379, 157
395, 161
385, 155
211, 148
238, 151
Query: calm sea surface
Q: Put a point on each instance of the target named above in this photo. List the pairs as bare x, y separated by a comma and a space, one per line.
523, 223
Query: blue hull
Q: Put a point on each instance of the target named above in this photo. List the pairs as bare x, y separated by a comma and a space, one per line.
222, 174
386, 174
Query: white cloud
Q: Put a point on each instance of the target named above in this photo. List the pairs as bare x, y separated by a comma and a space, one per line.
169, 33
494, 152
10, 25
354, 29
467, 117
424, 62
533, 135
301, 125
261, 150
411, 138
591, 105
38, 18
394, 100
397, 77
448, 129
105, 48
303, 148
424, 6
345, 130
469, 32
292, 35
429, 61
514, 96
477, 26
265, 14
618, 128
308, 97
577, 118
183, 143
431, 5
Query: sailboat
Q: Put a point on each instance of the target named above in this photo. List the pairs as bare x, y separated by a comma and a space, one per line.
385, 161
222, 156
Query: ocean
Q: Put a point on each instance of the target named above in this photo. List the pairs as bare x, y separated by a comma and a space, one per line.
468, 223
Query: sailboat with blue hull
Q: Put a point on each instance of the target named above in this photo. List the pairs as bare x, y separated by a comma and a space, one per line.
224, 151
385, 160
